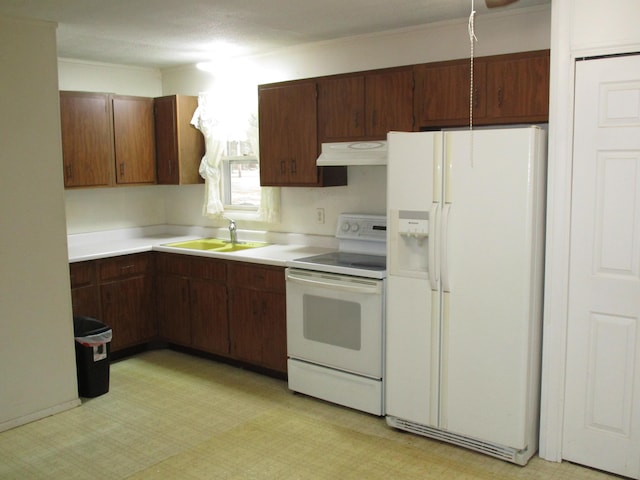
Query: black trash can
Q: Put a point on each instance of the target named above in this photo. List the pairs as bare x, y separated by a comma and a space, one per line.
92, 340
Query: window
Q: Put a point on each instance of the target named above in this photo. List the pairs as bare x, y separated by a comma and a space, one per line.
240, 177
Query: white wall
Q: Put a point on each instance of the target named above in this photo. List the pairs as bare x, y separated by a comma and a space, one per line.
579, 28
37, 362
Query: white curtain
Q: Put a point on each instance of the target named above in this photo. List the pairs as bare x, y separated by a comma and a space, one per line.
269, 210
214, 140
218, 125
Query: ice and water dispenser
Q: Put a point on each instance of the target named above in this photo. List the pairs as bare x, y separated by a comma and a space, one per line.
410, 247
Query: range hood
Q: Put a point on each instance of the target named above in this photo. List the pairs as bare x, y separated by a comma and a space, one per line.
353, 153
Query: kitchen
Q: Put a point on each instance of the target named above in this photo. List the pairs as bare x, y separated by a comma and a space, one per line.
182, 205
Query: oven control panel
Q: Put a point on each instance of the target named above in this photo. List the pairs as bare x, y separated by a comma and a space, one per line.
352, 226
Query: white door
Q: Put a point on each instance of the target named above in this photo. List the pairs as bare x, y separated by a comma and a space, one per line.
602, 396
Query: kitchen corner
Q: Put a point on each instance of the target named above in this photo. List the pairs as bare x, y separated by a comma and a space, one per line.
226, 304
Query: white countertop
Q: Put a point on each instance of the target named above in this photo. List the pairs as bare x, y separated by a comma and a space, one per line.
283, 246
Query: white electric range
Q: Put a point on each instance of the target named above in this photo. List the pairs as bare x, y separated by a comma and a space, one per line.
335, 317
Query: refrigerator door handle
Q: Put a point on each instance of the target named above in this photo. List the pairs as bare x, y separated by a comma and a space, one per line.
434, 267
444, 241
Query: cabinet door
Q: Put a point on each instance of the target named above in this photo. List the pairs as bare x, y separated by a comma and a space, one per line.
442, 90
166, 134
209, 320
273, 321
85, 299
133, 125
257, 312
172, 300
258, 328
341, 108
518, 88
179, 145
87, 139
127, 309
85, 302
288, 135
389, 103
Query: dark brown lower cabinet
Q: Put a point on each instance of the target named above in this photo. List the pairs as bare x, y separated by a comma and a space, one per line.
228, 308
126, 297
192, 302
257, 313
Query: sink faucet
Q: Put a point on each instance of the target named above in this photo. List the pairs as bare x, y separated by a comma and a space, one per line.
233, 234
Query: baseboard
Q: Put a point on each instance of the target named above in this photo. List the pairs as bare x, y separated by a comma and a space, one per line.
32, 417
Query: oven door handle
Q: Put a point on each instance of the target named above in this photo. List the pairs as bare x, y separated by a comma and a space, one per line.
371, 287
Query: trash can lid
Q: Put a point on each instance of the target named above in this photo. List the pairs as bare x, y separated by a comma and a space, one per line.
83, 326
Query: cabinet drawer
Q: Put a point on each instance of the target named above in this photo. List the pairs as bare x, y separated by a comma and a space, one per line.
208, 269
257, 277
191, 266
125, 266
82, 274
173, 264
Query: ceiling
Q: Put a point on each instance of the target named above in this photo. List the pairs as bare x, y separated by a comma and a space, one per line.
166, 33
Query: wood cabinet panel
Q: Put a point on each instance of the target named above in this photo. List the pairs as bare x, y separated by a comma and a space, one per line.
263, 278
126, 285
341, 108
209, 319
85, 298
87, 139
518, 87
124, 266
443, 90
365, 106
134, 139
173, 306
257, 312
389, 103
258, 328
289, 137
127, 309
192, 302
179, 145
107, 139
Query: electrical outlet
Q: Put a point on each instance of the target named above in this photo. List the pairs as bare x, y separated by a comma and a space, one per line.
320, 215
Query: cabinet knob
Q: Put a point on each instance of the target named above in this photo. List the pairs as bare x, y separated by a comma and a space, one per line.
293, 166
500, 96
283, 167
122, 169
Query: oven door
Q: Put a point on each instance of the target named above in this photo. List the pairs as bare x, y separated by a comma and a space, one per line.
336, 321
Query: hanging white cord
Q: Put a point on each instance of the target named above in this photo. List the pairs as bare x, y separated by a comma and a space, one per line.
472, 39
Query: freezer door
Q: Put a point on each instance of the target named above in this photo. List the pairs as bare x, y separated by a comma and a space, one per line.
492, 238
412, 352
414, 190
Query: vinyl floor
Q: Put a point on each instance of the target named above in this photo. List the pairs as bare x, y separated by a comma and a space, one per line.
169, 415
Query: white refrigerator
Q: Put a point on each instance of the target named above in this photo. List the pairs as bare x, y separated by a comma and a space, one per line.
464, 287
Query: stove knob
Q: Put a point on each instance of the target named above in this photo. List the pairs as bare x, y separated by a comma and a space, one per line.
345, 227
355, 227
